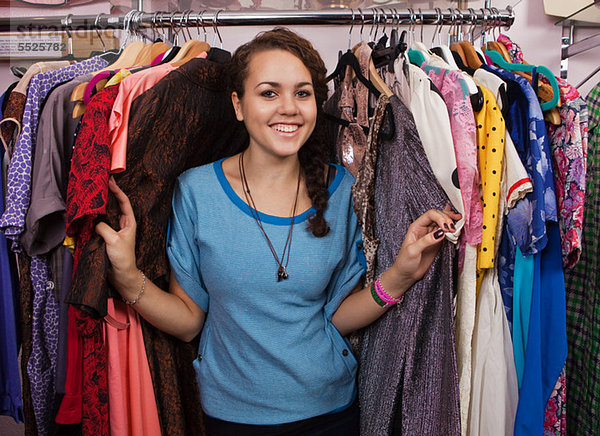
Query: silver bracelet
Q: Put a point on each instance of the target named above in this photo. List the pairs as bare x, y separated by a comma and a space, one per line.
131, 303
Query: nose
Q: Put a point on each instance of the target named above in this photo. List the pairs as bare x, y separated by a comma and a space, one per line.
287, 104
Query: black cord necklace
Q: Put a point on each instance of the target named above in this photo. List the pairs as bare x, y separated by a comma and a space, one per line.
281, 270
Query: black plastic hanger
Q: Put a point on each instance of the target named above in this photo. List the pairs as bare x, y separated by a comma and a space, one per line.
503, 100
387, 56
477, 100
348, 59
343, 122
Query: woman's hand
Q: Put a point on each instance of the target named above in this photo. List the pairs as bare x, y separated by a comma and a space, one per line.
120, 245
421, 244
173, 312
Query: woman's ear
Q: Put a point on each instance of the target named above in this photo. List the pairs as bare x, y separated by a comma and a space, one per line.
237, 106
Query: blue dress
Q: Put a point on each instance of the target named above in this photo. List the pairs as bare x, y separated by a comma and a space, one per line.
11, 402
532, 226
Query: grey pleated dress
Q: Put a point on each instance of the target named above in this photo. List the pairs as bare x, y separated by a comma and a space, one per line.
408, 382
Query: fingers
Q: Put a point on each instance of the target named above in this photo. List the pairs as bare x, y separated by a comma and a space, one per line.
425, 242
106, 232
123, 200
448, 210
443, 220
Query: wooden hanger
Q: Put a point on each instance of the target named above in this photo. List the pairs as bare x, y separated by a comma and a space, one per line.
125, 60
143, 57
500, 48
503, 51
190, 50
553, 116
149, 53
459, 50
472, 60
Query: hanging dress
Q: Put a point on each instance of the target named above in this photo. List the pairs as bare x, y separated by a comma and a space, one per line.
408, 382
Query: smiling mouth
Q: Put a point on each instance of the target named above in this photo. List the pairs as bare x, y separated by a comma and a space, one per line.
285, 128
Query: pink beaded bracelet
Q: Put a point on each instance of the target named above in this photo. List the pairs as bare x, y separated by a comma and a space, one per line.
388, 299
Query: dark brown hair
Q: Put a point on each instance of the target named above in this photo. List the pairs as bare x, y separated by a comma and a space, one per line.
315, 152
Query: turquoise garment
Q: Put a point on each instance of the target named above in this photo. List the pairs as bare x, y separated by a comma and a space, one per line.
522, 293
268, 351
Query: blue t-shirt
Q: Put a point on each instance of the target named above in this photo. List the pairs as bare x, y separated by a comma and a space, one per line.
268, 353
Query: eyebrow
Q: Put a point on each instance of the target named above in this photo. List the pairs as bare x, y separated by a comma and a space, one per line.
276, 84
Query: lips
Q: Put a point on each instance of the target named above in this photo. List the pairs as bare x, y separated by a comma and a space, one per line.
285, 128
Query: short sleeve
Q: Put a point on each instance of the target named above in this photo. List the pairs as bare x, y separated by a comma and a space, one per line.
353, 266
182, 249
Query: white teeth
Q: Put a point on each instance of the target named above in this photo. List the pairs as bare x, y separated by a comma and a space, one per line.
285, 127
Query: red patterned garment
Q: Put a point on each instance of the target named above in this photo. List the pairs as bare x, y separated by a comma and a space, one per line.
569, 152
87, 193
87, 190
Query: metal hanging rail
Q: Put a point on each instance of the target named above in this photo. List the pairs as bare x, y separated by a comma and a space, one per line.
570, 47
141, 20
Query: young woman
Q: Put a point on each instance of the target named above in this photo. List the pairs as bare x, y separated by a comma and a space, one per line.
265, 255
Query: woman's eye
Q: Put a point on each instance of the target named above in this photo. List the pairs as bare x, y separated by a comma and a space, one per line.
268, 93
304, 93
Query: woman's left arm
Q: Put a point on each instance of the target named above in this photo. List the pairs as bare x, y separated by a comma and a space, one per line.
419, 248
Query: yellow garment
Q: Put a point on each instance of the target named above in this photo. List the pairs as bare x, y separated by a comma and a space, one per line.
120, 75
69, 242
491, 130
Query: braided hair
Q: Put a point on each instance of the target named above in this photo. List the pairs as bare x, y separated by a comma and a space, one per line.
315, 152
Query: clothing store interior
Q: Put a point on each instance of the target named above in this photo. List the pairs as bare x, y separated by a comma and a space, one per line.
489, 107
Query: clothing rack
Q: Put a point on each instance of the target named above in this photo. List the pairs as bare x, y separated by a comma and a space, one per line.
569, 46
486, 17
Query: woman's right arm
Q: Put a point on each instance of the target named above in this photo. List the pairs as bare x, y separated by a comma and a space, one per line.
173, 312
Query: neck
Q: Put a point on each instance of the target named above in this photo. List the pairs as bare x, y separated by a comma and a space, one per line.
266, 169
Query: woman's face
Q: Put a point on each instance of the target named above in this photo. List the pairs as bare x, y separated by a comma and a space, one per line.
278, 107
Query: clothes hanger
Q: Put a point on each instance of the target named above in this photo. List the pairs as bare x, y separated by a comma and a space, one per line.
129, 53
193, 47
494, 45
416, 57
374, 76
348, 59
455, 47
394, 45
458, 49
508, 66
460, 61
471, 57
385, 56
69, 56
153, 50
443, 50
544, 91
464, 52
421, 47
